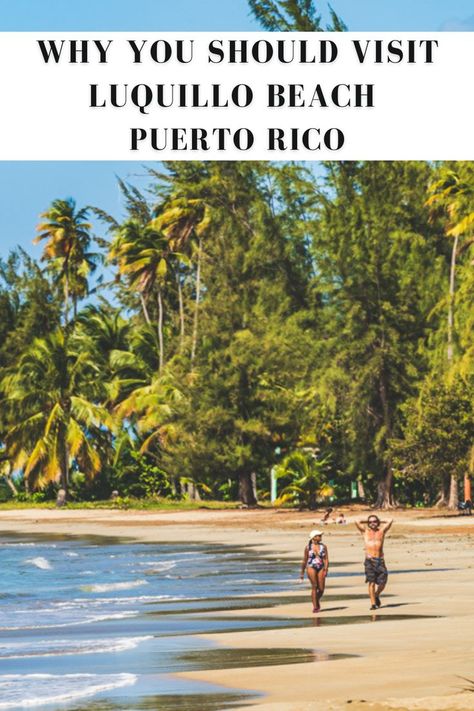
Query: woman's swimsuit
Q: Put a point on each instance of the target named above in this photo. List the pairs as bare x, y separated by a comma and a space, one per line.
316, 560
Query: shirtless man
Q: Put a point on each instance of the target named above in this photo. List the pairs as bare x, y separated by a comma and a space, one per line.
376, 573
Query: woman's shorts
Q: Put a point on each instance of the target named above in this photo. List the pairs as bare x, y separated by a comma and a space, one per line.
375, 571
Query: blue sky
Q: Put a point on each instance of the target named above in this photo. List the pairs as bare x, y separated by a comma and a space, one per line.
151, 15
28, 188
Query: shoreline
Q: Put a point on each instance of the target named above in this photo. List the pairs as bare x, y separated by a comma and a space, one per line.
413, 663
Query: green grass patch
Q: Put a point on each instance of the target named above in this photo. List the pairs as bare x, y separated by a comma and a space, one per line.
126, 503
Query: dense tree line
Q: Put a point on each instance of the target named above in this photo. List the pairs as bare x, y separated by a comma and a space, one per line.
238, 317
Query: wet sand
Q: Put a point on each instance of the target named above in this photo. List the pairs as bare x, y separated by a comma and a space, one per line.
416, 660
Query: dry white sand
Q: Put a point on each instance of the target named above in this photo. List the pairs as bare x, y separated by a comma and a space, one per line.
399, 664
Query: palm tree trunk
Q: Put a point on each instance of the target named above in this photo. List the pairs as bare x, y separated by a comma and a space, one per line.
181, 311
10, 484
196, 307
452, 288
66, 300
453, 487
192, 491
144, 309
64, 474
160, 329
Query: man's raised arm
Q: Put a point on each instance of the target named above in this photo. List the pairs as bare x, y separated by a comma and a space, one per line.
359, 526
387, 525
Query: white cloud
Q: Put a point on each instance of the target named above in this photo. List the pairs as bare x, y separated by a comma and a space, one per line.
456, 25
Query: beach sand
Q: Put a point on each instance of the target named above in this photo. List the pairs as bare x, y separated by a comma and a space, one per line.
417, 663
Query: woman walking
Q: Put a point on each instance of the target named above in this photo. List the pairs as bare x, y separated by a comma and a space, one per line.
316, 563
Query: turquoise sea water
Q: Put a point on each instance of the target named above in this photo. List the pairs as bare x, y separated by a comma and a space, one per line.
101, 624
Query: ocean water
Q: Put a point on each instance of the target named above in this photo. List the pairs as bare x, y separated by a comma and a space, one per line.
103, 624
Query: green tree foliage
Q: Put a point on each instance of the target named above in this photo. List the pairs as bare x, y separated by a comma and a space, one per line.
452, 196
235, 396
184, 213
29, 305
293, 16
438, 433
451, 200
53, 422
68, 240
256, 308
378, 270
135, 474
308, 479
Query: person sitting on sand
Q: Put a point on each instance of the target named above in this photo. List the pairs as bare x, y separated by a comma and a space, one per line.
375, 569
341, 518
316, 563
328, 512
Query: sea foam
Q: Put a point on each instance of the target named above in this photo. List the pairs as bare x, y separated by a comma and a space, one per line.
74, 623
40, 563
109, 587
20, 691
157, 566
62, 647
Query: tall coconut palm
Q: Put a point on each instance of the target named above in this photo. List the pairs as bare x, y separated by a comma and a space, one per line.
54, 420
453, 192
185, 221
143, 254
67, 235
185, 216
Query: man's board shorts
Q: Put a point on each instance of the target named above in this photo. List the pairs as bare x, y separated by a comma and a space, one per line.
375, 571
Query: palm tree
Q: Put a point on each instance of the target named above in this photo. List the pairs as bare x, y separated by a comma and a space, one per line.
185, 216
107, 333
151, 406
67, 235
54, 420
308, 478
184, 221
106, 328
453, 192
143, 254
